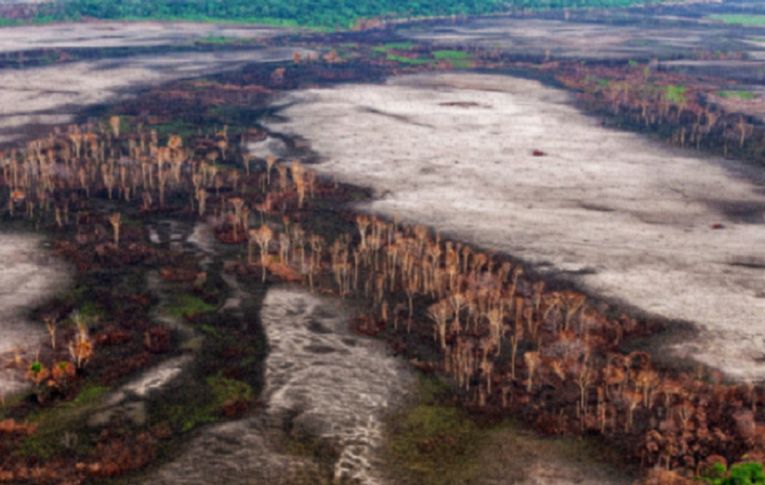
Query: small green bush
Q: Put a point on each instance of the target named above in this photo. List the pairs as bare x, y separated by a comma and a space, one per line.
747, 473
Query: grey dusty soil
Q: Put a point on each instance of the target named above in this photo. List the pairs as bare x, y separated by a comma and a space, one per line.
53, 95
28, 275
122, 34
323, 384
627, 218
581, 40
683, 38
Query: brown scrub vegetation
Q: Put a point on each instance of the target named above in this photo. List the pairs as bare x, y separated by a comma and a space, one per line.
511, 343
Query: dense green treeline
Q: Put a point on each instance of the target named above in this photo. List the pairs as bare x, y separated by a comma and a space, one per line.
328, 13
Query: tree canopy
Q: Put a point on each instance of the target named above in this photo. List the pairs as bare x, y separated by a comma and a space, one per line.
327, 13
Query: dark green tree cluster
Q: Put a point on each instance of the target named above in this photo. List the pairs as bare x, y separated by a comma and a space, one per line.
329, 13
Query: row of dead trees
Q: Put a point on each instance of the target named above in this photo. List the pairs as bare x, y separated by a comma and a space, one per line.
662, 102
507, 340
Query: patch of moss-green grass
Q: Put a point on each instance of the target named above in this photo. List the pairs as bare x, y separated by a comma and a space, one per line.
413, 61
390, 46
176, 127
451, 55
206, 403
675, 93
737, 94
55, 422
433, 442
187, 305
746, 20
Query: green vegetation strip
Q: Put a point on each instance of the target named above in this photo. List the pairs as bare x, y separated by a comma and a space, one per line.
738, 474
675, 93
57, 422
433, 442
316, 13
397, 52
415, 61
187, 305
398, 46
458, 59
740, 19
740, 95
208, 403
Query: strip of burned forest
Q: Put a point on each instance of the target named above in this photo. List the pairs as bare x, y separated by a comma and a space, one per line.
509, 341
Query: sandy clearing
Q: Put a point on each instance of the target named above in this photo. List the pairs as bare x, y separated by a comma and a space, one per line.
122, 34
628, 218
569, 39
28, 275
55, 94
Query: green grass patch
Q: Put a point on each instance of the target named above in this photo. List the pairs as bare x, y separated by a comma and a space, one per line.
222, 40
745, 20
10, 402
748, 473
451, 55
38, 20
229, 390
675, 93
412, 61
737, 94
603, 83
393, 46
186, 418
218, 40
433, 442
186, 305
207, 406
458, 59
209, 330
54, 422
597, 82
461, 64
91, 311
178, 127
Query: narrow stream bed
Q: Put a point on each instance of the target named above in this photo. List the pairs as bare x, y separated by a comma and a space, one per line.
324, 385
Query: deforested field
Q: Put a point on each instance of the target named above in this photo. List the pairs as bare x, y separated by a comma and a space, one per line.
522, 248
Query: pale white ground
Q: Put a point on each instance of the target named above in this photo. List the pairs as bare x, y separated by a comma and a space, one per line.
571, 39
129, 401
322, 383
54, 94
122, 34
331, 384
628, 218
269, 146
28, 275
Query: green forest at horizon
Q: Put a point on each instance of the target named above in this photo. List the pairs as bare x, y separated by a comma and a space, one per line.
311, 13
